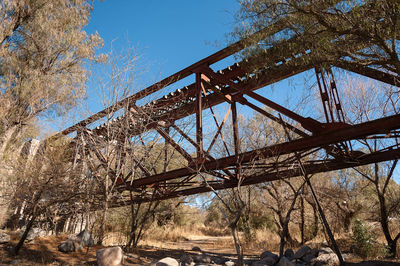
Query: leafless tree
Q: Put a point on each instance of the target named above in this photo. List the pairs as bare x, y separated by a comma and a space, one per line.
366, 101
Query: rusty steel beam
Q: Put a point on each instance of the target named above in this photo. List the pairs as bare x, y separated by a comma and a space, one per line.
282, 174
379, 126
370, 73
233, 82
175, 145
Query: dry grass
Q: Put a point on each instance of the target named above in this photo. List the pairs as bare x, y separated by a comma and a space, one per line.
170, 233
114, 239
263, 240
214, 231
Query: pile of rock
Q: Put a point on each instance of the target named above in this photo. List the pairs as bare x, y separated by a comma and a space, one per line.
77, 243
304, 256
192, 260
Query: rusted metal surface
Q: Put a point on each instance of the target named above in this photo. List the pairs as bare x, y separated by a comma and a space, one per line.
231, 86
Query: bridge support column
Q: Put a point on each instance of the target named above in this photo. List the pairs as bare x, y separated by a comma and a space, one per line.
236, 141
199, 117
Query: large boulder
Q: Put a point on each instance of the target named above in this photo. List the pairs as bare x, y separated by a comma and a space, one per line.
289, 253
285, 262
166, 262
4, 238
329, 259
308, 258
203, 258
229, 263
326, 250
86, 238
267, 261
76, 243
110, 256
70, 245
269, 254
32, 234
304, 250
186, 259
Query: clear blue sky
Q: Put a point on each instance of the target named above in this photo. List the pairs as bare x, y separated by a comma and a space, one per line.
175, 33
169, 35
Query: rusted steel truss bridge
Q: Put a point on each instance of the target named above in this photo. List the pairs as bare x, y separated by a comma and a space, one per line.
322, 146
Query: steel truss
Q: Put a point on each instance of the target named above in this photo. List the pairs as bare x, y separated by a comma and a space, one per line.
322, 146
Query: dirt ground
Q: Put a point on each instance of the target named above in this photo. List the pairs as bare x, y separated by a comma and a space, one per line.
44, 252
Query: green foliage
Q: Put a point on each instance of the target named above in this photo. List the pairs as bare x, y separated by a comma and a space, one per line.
364, 29
262, 220
365, 243
363, 239
43, 48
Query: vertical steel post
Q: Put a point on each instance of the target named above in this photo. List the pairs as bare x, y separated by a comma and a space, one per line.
236, 141
323, 92
199, 117
166, 155
166, 151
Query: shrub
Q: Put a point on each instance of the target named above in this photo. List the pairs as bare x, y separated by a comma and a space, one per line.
364, 242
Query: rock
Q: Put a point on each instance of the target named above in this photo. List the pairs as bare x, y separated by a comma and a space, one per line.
314, 252
166, 262
326, 250
86, 238
33, 233
269, 254
229, 263
220, 261
267, 261
39, 232
284, 262
70, 245
203, 258
4, 238
304, 250
76, 243
259, 263
326, 259
186, 259
308, 258
196, 248
66, 246
15, 262
110, 256
289, 253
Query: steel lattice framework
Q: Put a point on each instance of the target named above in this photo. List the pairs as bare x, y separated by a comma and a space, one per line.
322, 146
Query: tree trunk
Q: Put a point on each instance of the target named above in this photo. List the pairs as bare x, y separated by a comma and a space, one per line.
103, 223
302, 220
238, 246
25, 234
392, 243
284, 235
105, 210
